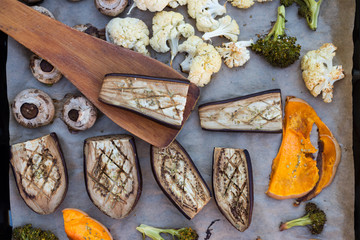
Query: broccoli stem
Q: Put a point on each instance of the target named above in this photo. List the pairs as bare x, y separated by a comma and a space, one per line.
279, 27
314, 9
303, 221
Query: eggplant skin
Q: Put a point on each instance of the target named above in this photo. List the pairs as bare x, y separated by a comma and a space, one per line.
40, 173
257, 112
169, 166
112, 174
235, 199
162, 100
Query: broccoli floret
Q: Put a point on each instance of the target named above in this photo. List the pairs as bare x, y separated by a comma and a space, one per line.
154, 233
277, 48
314, 219
27, 232
308, 9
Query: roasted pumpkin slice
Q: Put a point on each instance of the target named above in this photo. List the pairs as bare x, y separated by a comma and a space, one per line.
79, 226
295, 173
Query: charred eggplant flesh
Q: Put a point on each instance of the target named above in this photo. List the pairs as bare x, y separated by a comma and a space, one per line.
162, 100
233, 185
40, 173
259, 112
112, 174
179, 179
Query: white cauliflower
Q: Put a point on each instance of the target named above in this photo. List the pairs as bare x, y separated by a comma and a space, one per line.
202, 61
227, 28
131, 33
205, 12
176, 3
245, 3
168, 27
319, 73
235, 53
151, 5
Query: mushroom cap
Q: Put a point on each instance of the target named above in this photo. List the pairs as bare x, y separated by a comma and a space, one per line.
88, 29
78, 113
43, 10
32, 1
43, 71
111, 7
33, 108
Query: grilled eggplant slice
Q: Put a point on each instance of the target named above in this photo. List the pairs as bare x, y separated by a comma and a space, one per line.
233, 185
112, 174
40, 173
159, 99
258, 112
179, 179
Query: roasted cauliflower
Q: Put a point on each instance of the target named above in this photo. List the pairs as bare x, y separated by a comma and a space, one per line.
227, 28
151, 5
205, 12
168, 27
245, 3
176, 3
319, 73
202, 61
129, 33
235, 54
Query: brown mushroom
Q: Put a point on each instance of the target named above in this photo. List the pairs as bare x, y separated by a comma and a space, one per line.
88, 29
111, 7
43, 71
78, 113
44, 11
30, 2
33, 108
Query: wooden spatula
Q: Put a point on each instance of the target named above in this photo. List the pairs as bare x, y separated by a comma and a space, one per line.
84, 60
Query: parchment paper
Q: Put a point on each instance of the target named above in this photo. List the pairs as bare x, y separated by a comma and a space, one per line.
335, 25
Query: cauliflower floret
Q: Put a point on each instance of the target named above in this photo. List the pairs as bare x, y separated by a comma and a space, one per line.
203, 60
235, 53
176, 3
169, 27
319, 73
129, 33
205, 12
245, 3
227, 28
151, 5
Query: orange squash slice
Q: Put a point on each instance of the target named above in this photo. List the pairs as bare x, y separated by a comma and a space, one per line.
79, 226
295, 174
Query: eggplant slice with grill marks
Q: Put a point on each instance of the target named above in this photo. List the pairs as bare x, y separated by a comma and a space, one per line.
159, 99
179, 179
112, 174
233, 185
258, 112
40, 173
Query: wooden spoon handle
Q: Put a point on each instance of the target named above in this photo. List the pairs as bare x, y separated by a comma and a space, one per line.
84, 60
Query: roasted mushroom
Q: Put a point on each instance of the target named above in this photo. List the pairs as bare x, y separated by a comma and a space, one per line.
112, 174
31, 2
78, 113
111, 7
40, 173
44, 11
43, 71
33, 108
91, 30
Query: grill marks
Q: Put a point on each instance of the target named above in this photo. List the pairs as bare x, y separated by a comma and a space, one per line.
159, 99
179, 179
112, 176
40, 173
232, 183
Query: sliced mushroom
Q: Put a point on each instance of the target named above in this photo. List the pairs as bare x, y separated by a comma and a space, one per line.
33, 108
111, 7
78, 113
43, 71
43, 10
89, 29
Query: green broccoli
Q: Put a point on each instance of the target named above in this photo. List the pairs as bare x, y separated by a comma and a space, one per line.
308, 9
27, 232
314, 219
277, 48
154, 233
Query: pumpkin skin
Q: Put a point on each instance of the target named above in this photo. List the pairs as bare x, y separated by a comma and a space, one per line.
295, 174
79, 226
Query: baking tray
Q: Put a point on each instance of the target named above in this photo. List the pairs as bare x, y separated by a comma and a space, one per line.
177, 220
